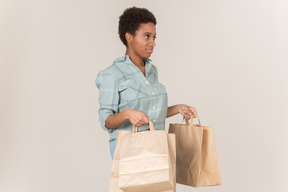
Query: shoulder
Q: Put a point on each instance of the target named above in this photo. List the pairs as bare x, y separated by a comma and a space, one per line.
117, 70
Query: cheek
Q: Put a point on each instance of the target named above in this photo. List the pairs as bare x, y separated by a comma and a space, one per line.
140, 43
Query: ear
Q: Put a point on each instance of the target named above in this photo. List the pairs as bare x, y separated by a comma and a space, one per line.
129, 37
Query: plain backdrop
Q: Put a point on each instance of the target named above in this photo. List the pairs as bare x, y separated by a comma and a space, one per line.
226, 58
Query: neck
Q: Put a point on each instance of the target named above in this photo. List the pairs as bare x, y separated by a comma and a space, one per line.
138, 61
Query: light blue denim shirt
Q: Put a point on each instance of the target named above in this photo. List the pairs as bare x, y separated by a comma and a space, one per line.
123, 86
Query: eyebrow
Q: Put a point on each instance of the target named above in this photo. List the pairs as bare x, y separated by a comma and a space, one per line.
149, 33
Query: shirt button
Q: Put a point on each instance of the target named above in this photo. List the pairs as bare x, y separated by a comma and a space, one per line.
147, 82
154, 120
153, 107
153, 93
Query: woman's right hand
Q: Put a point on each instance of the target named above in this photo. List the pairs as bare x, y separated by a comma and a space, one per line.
137, 118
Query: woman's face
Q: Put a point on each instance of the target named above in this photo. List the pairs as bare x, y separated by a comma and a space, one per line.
143, 42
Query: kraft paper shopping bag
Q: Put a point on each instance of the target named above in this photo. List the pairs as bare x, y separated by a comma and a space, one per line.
138, 172
196, 157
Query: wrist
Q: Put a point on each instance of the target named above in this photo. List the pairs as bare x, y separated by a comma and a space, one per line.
127, 114
179, 108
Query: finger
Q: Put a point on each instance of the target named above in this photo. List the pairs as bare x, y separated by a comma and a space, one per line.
194, 115
146, 121
188, 112
183, 114
138, 123
195, 112
186, 116
191, 110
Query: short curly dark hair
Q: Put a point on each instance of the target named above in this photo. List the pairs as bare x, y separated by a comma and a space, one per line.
131, 19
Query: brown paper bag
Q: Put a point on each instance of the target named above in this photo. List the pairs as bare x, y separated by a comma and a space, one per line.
196, 157
114, 180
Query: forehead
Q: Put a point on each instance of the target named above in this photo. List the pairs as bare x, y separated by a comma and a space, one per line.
147, 27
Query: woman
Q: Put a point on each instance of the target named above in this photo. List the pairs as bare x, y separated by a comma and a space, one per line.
130, 93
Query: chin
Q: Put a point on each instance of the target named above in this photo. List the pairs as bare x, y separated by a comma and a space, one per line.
146, 56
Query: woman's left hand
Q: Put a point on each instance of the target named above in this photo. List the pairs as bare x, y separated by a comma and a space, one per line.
187, 111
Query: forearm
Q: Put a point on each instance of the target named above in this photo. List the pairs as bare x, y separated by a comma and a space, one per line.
172, 110
115, 120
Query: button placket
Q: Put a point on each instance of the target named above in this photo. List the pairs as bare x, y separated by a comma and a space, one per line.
150, 87
154, 104
154, 98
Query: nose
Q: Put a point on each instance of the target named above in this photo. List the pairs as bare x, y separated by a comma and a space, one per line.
152, 42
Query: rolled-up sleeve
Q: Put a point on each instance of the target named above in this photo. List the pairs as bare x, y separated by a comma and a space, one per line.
108, 96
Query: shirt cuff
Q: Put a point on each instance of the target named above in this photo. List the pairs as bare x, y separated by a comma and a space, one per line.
103, 119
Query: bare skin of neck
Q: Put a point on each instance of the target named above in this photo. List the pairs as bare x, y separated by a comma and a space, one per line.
137, 61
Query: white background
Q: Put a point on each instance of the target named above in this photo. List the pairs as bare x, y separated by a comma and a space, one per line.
227, 58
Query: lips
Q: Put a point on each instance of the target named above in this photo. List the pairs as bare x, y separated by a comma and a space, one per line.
150, 50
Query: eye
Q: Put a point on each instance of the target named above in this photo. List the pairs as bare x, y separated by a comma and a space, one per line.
154, 38
147, 36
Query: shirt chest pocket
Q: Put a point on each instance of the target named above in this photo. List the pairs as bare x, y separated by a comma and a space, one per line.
160, 89
133, 89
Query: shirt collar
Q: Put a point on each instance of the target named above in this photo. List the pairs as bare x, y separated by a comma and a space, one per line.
147, 61
127, 58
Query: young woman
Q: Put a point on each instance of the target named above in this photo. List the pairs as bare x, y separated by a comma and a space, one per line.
130, 93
